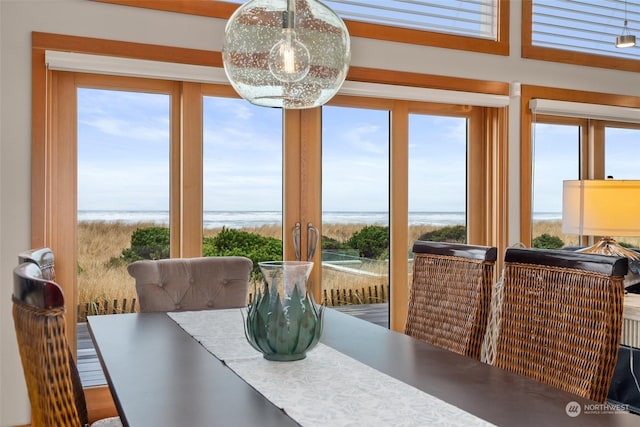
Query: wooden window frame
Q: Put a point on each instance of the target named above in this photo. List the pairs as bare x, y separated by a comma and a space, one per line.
487, 150
566, 56
223, 10
44, 216
592, 153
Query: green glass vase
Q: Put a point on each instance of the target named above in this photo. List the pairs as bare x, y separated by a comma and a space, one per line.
283, 321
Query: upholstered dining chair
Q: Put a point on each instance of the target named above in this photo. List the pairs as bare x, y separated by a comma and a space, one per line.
561, 317
55, 392
450, 295
177, 284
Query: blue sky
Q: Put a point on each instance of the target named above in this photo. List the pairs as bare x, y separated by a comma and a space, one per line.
123, 156
556, 159
123, 150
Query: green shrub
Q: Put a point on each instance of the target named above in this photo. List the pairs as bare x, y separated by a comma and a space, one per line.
153, 243
231, 242
148, 243
450, 233
546, 241
371, 241
331, 243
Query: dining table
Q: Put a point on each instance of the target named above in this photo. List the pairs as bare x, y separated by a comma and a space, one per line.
187, 369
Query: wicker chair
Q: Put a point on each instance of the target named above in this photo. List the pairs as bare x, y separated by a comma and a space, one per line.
53, 383
177, 284
450, 295
561, 318
43, 258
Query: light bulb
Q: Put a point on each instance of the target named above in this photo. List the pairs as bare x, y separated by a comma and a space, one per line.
290, 54
289, 60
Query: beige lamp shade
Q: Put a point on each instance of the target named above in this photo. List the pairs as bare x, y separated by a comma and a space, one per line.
601, 207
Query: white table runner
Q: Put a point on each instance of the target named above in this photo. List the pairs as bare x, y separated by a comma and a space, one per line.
327, 388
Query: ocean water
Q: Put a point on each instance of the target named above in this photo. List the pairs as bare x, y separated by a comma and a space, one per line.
240, 219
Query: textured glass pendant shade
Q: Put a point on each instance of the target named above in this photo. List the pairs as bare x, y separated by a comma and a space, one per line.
286, 53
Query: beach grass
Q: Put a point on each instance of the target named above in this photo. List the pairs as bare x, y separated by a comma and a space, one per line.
102, 276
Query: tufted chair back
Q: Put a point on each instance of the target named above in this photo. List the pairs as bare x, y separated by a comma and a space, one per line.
178, 284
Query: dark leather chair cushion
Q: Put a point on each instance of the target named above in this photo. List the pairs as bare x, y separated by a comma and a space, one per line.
625, 389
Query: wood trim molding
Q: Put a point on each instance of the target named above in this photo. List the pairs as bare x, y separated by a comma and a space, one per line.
403, 78
88, 45
100, 403
59, 171
310, 150
187, 168
579, 58
40, 78
224, 10
498, 140
478, 178
212, 9
399, 216
544, 92
302, 165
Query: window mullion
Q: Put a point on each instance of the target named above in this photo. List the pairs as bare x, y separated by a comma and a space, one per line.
186, 173
399, 206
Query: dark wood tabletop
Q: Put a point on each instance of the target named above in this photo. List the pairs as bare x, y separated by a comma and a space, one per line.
160, 376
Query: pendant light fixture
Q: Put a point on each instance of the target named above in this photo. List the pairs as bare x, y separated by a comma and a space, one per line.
626, 39
286, 53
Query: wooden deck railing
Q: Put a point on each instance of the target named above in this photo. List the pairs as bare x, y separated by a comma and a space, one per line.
370, 295
331, 297
105, 307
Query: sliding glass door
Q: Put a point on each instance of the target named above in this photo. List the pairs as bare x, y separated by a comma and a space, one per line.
241, 180
123, 192
355, 205
179, 164
438, 176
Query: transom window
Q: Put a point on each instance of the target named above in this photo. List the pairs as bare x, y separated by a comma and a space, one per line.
471, 25
585, 26
473, 18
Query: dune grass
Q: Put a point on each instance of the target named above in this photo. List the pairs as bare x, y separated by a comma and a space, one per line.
101, 276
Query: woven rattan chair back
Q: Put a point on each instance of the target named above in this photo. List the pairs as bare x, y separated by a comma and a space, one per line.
561, 318
55, 391
450, 295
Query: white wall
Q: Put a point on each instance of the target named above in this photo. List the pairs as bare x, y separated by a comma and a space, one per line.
18, 18
1, 216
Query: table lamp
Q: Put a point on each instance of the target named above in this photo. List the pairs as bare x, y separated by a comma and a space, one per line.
602, 207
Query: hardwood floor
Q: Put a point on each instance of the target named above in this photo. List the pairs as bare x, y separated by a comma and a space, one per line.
88, 364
